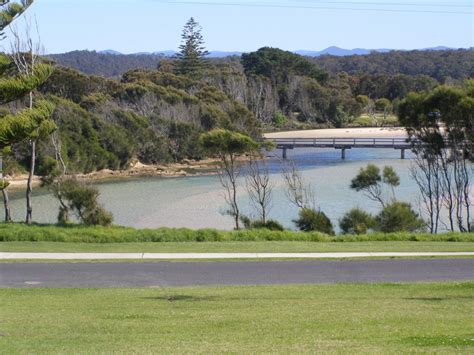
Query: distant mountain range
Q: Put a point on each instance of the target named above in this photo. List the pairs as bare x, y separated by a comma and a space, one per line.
335, 51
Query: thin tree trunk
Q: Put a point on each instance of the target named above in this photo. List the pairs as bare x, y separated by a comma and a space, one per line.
6, 205
6, 201
234, 193
466, 190
448, 191
29, 187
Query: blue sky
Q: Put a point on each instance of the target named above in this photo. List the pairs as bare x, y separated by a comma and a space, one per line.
132, 26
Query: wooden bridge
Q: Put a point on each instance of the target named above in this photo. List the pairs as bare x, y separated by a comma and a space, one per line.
341, 144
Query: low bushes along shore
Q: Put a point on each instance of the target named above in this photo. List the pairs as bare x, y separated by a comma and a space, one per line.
83, 234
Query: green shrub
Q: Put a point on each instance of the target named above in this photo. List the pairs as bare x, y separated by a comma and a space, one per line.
367, 121
98, 216
398, 217
270, 225
82, 200
279, 120
93, 100
363, 121
363, 100
211, 94
356, 221
310, 220
383, 104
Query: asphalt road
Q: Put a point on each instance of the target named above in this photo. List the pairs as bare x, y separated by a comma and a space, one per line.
232, 273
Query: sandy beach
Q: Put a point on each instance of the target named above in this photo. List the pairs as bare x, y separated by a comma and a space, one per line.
371, 132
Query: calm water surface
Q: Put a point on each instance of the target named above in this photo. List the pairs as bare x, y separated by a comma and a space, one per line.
196, 202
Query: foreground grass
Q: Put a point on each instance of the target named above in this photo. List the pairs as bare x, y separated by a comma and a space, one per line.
82, 234
384, 318
235, 247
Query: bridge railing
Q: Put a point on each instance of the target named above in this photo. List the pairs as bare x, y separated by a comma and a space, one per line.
339, 141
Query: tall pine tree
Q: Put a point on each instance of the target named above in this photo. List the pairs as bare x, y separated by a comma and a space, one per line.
192, 53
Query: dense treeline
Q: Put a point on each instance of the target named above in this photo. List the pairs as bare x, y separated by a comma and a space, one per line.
156, 116
441, 65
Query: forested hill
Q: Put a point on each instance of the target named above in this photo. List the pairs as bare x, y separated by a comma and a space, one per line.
441, 65
106, 64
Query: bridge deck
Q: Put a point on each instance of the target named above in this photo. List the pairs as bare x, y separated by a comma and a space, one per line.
341, 143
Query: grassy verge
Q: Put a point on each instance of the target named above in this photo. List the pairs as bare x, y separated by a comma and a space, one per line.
384, 318
81, 234
235, 247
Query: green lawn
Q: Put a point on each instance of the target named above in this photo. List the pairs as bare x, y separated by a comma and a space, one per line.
361, 318
235, 247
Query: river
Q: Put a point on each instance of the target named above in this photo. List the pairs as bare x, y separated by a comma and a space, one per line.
197, 202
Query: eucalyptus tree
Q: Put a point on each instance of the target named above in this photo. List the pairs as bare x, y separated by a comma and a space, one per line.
298, 192
259, 187
227, 146
440, 124
371, 182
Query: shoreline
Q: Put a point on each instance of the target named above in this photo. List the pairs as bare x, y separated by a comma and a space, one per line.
188, 168
207, 167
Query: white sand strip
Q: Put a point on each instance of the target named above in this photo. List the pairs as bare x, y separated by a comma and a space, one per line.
197, 256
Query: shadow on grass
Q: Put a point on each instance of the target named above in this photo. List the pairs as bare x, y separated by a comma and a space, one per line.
178, 298
125, 317
187, 298
438, 299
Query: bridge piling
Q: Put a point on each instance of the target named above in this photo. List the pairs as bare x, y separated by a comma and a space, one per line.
343, 153
402, 154
284, 153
